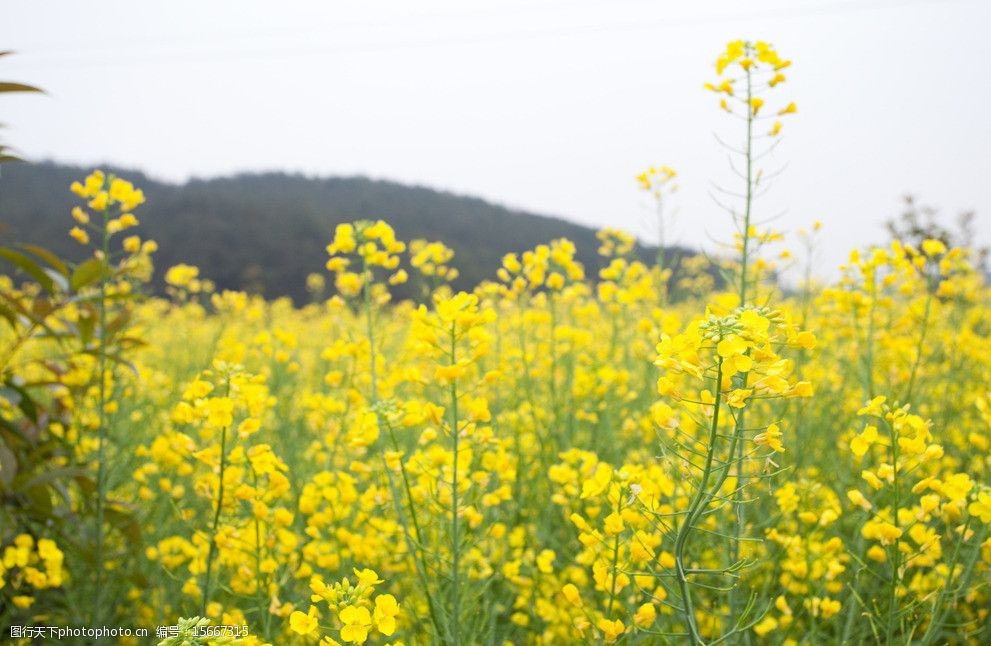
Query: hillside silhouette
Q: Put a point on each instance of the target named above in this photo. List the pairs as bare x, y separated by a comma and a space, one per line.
264, 232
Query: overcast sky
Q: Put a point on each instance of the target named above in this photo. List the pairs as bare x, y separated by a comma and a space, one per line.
552, 106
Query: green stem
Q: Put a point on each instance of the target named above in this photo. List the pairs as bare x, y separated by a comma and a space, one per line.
738, 503
615, 561
553, 343
455, 529
744, 260
413, 545
260, 588
366, 292
920, 346
896, 552
694, 507
938, 605
869, 359
660, 259
101, 470
212, 552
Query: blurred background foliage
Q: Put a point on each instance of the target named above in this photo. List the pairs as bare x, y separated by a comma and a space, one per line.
264, 233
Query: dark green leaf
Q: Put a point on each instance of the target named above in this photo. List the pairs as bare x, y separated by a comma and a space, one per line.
30, 266
126, 525
8, 86
87, 273
48, 257
8, 465
8, 315
25, 403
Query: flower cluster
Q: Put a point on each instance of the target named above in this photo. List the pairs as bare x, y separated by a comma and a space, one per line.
354, 611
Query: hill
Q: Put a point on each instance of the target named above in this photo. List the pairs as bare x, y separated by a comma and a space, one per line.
265, 232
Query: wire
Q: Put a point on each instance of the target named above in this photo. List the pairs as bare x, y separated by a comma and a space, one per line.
127, 58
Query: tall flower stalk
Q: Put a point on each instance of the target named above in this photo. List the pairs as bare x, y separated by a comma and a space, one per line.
758, 68
111, 199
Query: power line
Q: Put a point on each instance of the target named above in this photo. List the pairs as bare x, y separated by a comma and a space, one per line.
127, 58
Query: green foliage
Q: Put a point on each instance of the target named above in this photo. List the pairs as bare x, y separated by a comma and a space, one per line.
49, 327
7, 87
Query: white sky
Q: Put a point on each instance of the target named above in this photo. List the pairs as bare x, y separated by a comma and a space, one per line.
551, 106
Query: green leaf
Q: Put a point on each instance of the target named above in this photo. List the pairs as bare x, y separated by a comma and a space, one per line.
25, 403
48, 257
42, 307
8, 315
58, 279
126, 524
8, 465
117, 324
7, 86
30, 266
41, 501
86, 323
88, 273
117, 358
45, 478
11, 395
18, 308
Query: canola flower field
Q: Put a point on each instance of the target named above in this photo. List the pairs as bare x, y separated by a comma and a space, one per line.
552, 458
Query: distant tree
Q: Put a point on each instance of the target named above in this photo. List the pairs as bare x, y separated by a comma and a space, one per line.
267, 232
918, 222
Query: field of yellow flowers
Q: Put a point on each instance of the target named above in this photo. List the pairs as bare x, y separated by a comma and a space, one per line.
552, 458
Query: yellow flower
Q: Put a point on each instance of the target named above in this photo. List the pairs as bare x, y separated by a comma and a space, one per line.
338, 264
79, 215
957, 486
730, 346
545, 561
570, 592
613, 524
791, 108
829, 608
871, 479
888, 533
449, 374
765, 625
858, 498
367, 577
645, 615
981, 507
738, 398
302, 623
357, 622
933, 247
806, 340
79, 235
874, 407
860, 443
598, 482
99, 201
771, 438
386, 611
181, 275
344, 241
611, 630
